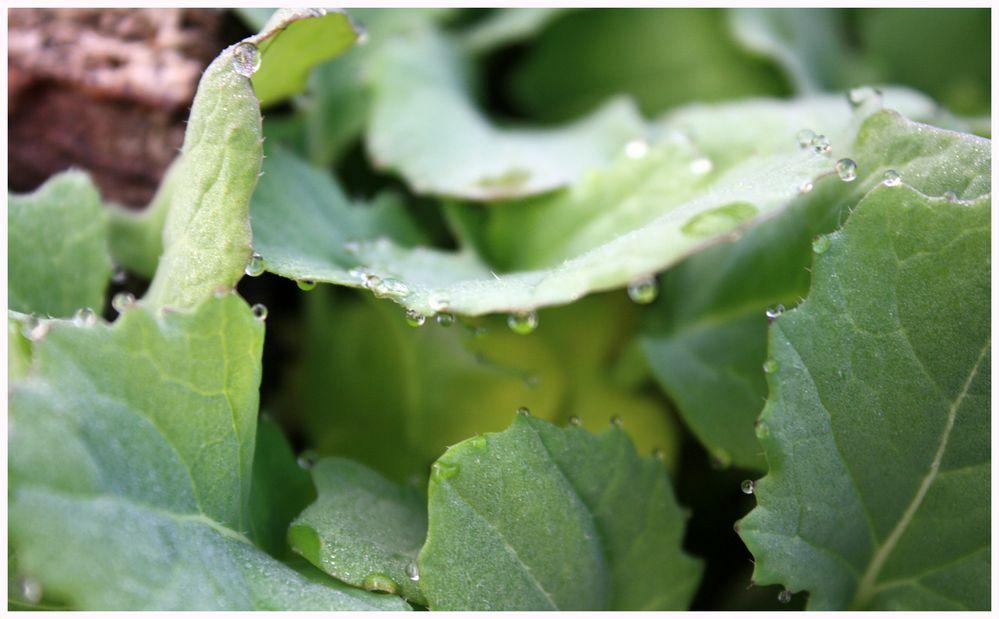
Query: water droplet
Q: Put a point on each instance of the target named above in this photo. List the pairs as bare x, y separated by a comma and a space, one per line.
774, 313
950, 196
859, 96
415, 318
29, 589
255, 266
892, 178
748, 486
439, 305
524, 411
85, 317
805, 187
701, 165
805, 137
413, 572
522, 322
762, 429
820, 144
259, 311
718, 220
306, 284
371, 281
380, 582
443, 470
446, 319
246, 59
636, 149
821, 244
784, 596
659, 454
122, 301
359, 273
34, 328
478, 441
616, 421
771, 366
575, 421
644, 290
306, 460
391, 288
118, 274
847, 170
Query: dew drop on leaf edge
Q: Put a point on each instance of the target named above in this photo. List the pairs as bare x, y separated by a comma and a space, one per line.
259, 311
415, 318
380, 582
306, 284
775, 312
445, 319
846, 169
821, 244
443, 470
805, 137
524, 411
522, 323
85, 317
413, 572
255, 265
748, 486
644, 290
784, 596
122, 301
574, 420
246, 59
892, 178
771, 366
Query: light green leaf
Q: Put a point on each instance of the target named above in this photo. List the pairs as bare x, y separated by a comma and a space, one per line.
130, 457
877, 426
661, 57
58, 247
137, 237
307, 38
506, 26
424, 125
707, 346
363, 528
545, 518
281, 489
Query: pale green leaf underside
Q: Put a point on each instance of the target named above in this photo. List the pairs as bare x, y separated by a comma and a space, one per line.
878, 423
546, 518
58, 248
363, 529
307, 37
424, 125
129, 466
710, 345
627, 221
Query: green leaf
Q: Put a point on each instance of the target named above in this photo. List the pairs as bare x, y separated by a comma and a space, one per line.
661, 57
506, 26
877, 426
130, 459
424, 125
58, 252
545, 518
363, 529
707, 344
137, 237
308, 38
281, 489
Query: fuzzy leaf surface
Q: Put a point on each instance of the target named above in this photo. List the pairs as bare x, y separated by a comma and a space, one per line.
878, 422
539, 517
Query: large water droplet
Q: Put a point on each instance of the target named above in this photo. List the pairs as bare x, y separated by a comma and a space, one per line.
255, 266
445, 319
636, 149
259, 311
122, 301
34, 328
415, 318
821, 244
29, 589
413, 572
846, 169
85, 317
784, 596
892, 178
644, 290
306, 284
775, 312
380, 582
443, 470
389, 287
522, 322
246, 59
805, 137
748, 486
718, 220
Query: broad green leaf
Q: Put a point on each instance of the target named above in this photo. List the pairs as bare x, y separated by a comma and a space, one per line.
281, 489
58, 247
545, 518
506, 26
307, 37
137, 237
661, 57
424, 125
877, 426
363, 528
130, 457
436, 385
707, 344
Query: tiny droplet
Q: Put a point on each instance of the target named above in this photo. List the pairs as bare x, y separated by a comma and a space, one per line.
805, 137
255, 266
950, 196
805, 187
306, 284
478, 441
892, 178
522, 323
762, 429
446, 319
380, 582
306, 460
616, 421
748, 486
412, 571
859, 96
821, 145
259, 311
846, 169
771, 366
443, 470
775, 312
659, 454
439, 305
821, 244
29, 589
246, 59
784, 596
415, 318
574, 420
85, 317
644, 290
523, 410
118, 274
122, 301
